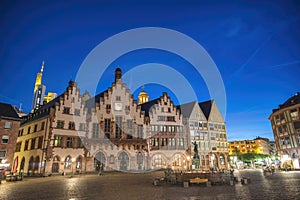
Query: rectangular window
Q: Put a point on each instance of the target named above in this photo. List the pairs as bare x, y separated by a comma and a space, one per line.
287, 140
118, 126
161, 118
28, 130
118, 98
129, 128
179, 129
108, 106
72, 125
70, 142
82, 126
95, 131
32, 146
60, 124
107, 125
154, 142
5, 139
77, 112
26, 145
18, 146
140, 131
127, 108
42, 126
163, 142
57, 141
66, 110
35, 128
40, 142
162, 109
2, 153
79, 143
171, 119
7, 125
180, 142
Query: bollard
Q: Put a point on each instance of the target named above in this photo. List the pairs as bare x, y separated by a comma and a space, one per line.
156, 182
208, 184
245, 181
231, 182
186, 184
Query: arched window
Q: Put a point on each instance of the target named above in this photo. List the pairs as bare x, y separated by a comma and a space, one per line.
22, 164
222, 159
157, 161
68, 162
31, 163
56, 159
177, 160
79, 162
37, 163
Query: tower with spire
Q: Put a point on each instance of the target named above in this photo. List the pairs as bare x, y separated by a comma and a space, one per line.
39, 97
143, 96
39, 90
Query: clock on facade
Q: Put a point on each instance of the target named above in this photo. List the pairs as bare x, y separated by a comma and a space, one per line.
118, 106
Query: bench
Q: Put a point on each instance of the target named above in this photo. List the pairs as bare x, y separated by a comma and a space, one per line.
198, 180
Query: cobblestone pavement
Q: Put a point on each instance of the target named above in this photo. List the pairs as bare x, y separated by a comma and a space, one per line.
281, 185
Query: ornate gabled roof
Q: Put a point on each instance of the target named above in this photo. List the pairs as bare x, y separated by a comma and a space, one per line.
290, 102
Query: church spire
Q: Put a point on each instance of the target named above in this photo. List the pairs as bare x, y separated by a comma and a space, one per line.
143, 96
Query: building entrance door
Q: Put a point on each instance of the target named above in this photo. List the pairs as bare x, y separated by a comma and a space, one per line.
55, 167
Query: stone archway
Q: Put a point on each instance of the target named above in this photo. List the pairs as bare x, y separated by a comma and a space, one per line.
123, 161
55, 164
214, 161
99, 161
22, 165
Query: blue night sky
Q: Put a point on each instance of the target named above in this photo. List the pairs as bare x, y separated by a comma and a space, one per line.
255, 46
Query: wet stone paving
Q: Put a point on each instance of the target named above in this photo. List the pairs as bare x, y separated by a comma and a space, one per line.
280, 185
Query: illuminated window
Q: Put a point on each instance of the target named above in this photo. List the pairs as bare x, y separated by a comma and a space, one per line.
78, 162
57, 141
68, 162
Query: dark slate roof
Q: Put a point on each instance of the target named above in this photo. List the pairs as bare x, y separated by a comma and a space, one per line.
290, 102
7, 111
147, 106
206, 107
41, 112
186, 109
